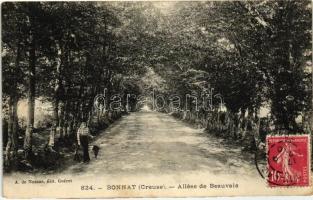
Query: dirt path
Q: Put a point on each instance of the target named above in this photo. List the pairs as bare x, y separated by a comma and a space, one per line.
156, 143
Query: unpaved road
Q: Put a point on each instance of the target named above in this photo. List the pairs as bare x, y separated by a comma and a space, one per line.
156, 143
146, 149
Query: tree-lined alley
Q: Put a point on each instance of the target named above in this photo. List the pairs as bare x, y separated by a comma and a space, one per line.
254, 54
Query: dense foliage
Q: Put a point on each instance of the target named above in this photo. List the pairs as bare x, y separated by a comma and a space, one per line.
254, 54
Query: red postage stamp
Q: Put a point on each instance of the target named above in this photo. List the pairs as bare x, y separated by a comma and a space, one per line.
288, 160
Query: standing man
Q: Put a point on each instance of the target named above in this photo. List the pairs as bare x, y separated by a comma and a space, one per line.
83, 135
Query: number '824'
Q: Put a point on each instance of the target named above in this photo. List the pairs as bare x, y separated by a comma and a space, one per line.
86, 187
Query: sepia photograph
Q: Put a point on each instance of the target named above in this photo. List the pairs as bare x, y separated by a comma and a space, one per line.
104, 99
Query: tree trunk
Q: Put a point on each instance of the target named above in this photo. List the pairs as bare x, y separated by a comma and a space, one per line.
236, 125
56, 97
231, 124
242, 123
15, 127
61, 120
66, 119
9, 142
249, 124
31, 98
14, 103
52, 137
251, 131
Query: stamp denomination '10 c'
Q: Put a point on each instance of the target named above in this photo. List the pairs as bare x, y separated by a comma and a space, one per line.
288, 160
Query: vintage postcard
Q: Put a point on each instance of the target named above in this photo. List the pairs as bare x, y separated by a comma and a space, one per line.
105, 99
